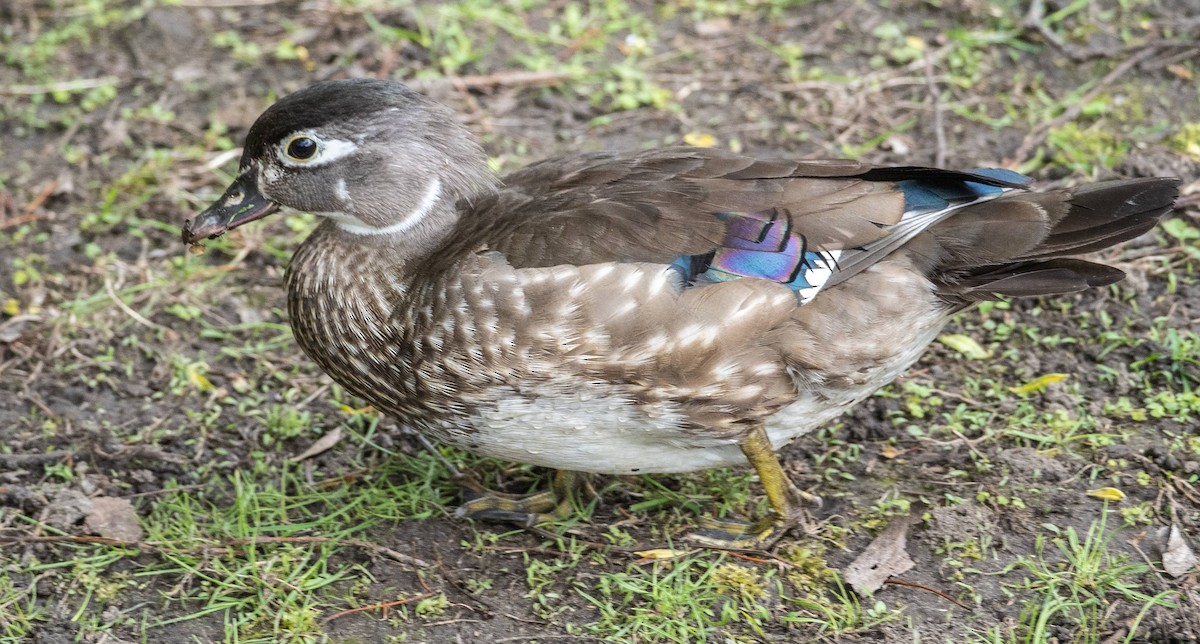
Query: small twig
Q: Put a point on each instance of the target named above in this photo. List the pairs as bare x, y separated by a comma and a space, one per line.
76, 85
82, 539
1041, 133
320, 391
1134, 543
592, 545
1187, 200
161, 491
969, 443
383, 550
22, 460
222, 158
247, 541
137, 317
749, 558
1034, 20
897, 582
515, 549
1186, 490
455, 473
956, 396
487, 606
383, 606
37, 402
222, 4
499, 79
1117, 636
1185, 55
543, 638
29, 213
41, 197
939, 125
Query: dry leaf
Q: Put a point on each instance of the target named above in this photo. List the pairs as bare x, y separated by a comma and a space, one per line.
12, 329
700, 139
661, 553
1107, 493
884, 558
1039, 383
195, 376
113, 518
322, 444
714, 27
1180, 71
890, 452
238, 382
965, 345
1178, 559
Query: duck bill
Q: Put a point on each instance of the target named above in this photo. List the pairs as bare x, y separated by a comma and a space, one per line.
242, 203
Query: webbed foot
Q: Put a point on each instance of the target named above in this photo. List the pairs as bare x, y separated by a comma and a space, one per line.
554, 504
786, 501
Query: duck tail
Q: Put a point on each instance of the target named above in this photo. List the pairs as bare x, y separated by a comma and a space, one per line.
1018, 245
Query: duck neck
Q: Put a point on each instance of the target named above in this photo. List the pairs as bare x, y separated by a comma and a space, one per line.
411, 237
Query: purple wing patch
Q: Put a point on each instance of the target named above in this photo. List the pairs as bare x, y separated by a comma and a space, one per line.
762, 245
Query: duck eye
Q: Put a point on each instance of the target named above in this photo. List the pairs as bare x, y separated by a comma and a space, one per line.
301, 148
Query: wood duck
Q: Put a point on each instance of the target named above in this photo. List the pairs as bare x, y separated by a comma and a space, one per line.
661, 311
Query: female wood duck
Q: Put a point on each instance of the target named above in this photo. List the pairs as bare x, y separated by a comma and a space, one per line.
661, 311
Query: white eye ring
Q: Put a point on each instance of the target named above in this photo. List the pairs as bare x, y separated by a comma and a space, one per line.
321, 150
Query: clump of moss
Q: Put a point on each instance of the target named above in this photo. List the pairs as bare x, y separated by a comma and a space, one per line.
1187, 140
433, 606
739, 580
809, 571
1082, 149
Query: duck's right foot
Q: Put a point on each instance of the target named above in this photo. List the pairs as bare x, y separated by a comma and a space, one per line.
554, 504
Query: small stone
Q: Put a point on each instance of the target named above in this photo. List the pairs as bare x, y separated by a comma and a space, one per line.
113, 518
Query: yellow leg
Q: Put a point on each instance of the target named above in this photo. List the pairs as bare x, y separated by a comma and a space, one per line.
552, 505
785, 500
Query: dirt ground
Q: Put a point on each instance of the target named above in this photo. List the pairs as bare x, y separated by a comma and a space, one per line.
131, 370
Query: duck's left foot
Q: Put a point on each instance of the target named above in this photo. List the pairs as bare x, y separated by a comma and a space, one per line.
786, 501
554, 504
732, 534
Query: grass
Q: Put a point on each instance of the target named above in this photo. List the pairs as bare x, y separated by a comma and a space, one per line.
186, 393
267, 552
1079, 584
687, 601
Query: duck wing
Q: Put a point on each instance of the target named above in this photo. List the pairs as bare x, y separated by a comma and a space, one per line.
718, 216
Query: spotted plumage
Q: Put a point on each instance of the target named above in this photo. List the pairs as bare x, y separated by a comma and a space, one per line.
661, 311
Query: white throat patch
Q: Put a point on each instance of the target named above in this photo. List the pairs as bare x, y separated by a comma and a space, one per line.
355, 226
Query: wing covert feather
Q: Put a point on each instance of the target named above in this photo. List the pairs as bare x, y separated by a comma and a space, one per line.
658, 206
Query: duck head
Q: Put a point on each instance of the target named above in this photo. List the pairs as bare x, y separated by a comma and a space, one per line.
373, 156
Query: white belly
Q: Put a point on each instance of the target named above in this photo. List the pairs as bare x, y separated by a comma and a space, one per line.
608, 436
589, 431
595, 429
